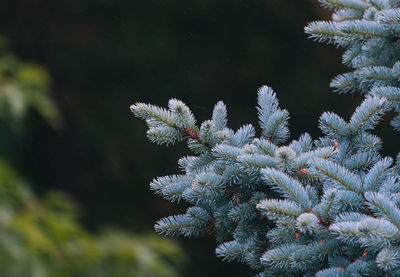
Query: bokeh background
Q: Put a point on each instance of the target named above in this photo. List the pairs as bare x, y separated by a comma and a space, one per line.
103, 55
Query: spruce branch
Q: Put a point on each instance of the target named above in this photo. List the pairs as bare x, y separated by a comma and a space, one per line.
328, 207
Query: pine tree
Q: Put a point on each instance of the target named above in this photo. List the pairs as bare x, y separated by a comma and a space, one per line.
324, 207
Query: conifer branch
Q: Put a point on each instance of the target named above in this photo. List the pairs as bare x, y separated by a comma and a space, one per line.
328, 207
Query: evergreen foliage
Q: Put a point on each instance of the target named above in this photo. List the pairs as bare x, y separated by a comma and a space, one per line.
324, 207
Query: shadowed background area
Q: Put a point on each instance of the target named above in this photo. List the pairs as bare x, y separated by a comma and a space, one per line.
104, 55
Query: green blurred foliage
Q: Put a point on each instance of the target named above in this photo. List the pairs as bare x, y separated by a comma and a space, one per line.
22, 86
41, 237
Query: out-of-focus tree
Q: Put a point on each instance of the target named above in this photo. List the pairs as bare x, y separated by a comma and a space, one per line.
41, 236
24, 85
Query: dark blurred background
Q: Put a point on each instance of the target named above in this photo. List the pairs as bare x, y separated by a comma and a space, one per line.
107, 54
